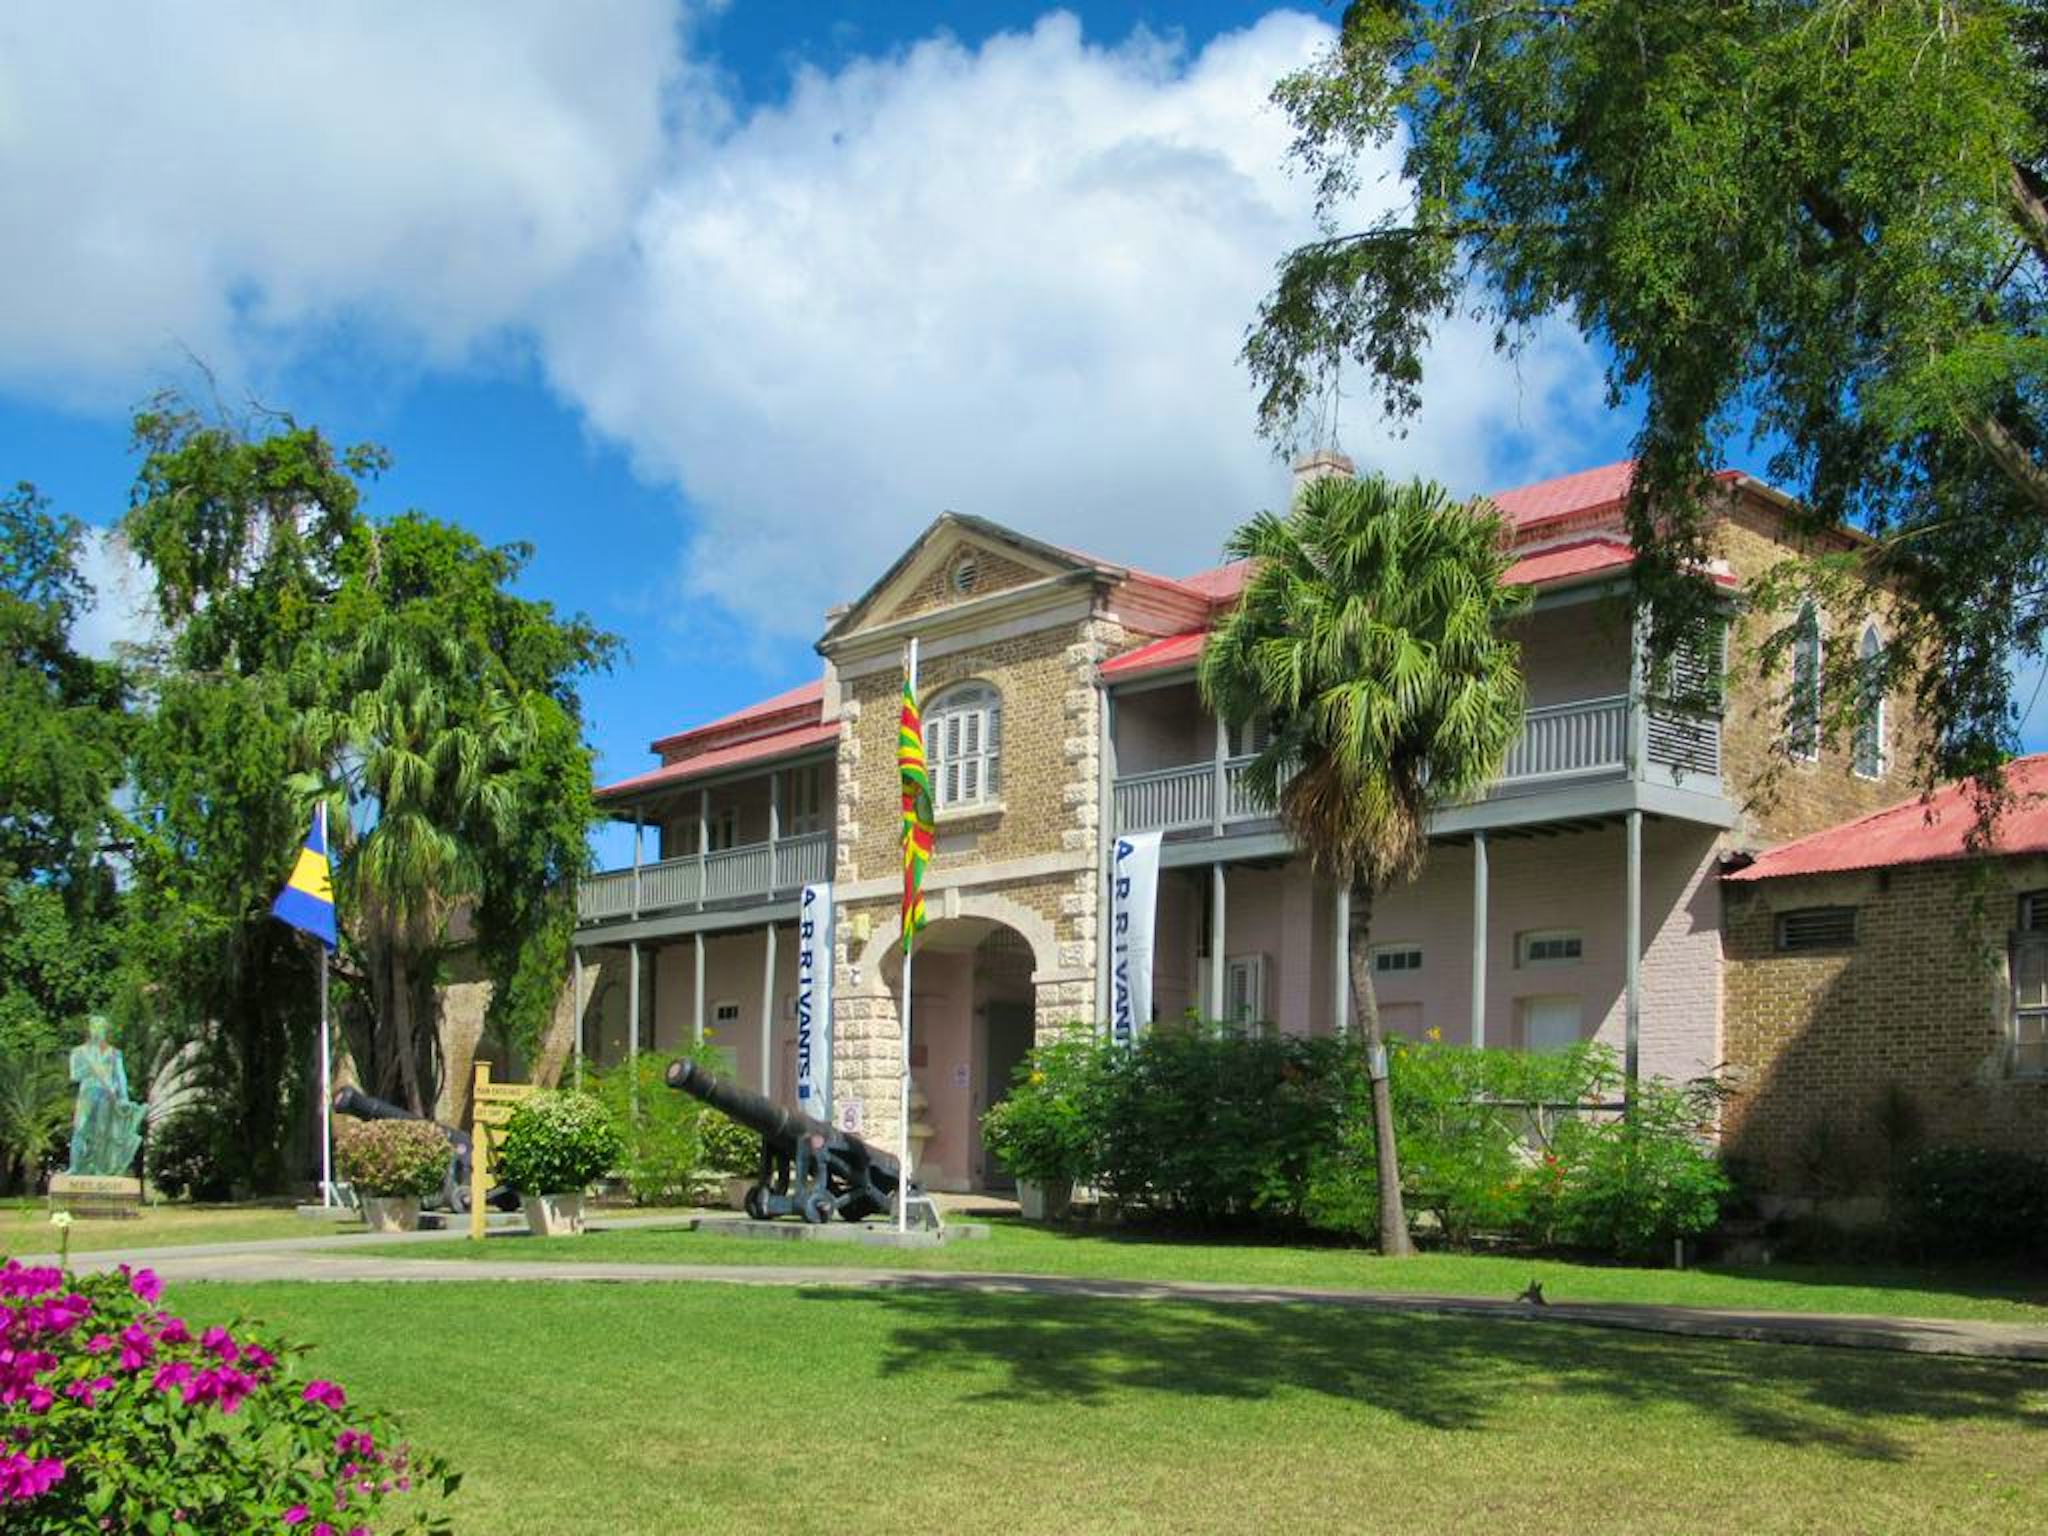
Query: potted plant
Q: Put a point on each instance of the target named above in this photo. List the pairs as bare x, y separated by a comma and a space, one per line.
1044, 1130
554, 1146
392, 1165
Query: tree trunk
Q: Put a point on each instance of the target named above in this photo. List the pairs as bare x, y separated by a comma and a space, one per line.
1365, 1011
402, 1033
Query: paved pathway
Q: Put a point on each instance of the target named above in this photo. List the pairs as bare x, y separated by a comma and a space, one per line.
330, 1260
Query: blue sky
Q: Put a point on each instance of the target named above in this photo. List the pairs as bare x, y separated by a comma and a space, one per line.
715, 306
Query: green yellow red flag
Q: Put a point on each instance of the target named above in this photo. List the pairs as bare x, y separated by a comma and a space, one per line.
919, 834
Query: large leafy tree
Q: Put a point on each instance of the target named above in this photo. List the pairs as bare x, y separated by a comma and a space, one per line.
63, 728
1370, 637
1823, 221
240, 528
312, 651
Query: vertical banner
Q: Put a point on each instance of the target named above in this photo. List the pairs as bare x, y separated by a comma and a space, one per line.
1133, 898
814, 1002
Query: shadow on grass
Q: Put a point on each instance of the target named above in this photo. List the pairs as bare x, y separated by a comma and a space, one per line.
1439, 1373
2015, 1281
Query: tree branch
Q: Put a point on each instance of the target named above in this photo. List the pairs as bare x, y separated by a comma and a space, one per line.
2011, 457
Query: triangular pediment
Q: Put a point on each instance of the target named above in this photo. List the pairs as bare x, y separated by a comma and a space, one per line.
957, 560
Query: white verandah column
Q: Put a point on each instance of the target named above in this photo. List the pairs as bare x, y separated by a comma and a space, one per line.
1218, 894
1479, 878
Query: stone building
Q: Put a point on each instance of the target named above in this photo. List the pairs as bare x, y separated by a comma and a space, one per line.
1578, 898
1887, 986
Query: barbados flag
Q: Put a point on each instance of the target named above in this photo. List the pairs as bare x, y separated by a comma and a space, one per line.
307, 900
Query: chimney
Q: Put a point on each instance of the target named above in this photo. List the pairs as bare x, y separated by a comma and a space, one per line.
1321, 465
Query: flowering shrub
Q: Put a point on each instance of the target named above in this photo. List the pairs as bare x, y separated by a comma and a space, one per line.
115, 1415
557, 1143
1045, 1129
393, 1158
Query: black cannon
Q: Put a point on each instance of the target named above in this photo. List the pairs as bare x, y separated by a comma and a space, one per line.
455, 1186
808, 1168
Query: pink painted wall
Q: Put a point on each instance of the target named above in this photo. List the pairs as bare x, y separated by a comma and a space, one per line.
942, 1028
1162, 728
732, 973
1573, 880
1575, 652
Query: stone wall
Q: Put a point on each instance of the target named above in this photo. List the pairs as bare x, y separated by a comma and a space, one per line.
993, 572
1782, 797
1918, 1010
1030, 861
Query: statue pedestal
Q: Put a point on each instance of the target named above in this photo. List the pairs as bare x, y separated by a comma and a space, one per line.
91, 1195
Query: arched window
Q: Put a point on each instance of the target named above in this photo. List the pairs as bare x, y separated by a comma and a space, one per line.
963, 738
1870, 705
1802, 723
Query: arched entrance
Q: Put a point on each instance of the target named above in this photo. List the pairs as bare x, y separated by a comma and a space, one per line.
972, 1021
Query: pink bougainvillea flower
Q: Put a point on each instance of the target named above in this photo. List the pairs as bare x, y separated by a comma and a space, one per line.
26, 1477
144, 1283
174, 1373
325, 1393
298, 1514
174, 1331
99, 1344
218, 1343
18, 1282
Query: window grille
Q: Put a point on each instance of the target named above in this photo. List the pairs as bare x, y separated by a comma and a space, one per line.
1808, 929
1802, 723
1244, 990
1396, 959
2030, 1003
1870, 722
1550, 946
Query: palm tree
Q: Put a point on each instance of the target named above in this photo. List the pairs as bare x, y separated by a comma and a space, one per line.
1370, 639
432, 747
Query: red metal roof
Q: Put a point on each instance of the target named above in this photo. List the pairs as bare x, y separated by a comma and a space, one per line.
1545, 567
1917, 831
755, 749
805, 696
1174, 651
1587, 490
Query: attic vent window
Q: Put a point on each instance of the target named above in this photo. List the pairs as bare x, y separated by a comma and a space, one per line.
965, 573
1811, 929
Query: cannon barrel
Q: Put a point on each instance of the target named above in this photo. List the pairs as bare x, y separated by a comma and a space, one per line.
776, 1124
808, 1168
354, 1102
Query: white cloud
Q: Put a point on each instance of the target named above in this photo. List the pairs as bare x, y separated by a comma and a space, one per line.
242, 177
1010, 279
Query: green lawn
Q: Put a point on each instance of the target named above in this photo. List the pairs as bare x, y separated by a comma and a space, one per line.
712, 1408
1018, 1248
25, 1227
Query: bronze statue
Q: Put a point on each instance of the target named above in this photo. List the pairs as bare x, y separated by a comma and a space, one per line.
106, 1129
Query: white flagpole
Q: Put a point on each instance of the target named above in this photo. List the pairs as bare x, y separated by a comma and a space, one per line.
903, 1103
326, 1055
326, 1091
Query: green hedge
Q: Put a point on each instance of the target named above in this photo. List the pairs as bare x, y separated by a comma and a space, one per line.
1210, 1125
